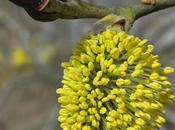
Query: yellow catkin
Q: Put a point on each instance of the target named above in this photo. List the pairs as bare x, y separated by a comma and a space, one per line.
113, 81
19, 57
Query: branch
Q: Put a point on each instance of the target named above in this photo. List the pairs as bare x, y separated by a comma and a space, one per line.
142, 10
79, 9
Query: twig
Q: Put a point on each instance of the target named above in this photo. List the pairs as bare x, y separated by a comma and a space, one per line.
80, 9
142, 10
77, 9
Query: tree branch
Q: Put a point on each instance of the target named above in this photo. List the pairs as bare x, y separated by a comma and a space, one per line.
142, 10
79, 9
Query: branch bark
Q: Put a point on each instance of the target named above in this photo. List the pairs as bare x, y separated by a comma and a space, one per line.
79, 9
142, 10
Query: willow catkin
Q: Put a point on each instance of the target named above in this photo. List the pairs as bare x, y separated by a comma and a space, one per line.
114, 82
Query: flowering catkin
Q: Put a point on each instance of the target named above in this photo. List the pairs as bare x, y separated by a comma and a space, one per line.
114, 82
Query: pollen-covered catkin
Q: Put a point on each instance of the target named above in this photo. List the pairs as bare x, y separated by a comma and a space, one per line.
113, 81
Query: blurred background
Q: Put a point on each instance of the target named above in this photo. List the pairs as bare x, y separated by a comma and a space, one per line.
31, 53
